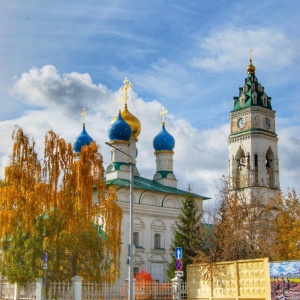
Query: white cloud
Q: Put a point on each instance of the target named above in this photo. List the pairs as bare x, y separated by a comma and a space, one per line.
70, 92
200, 158
289, 149
226, 48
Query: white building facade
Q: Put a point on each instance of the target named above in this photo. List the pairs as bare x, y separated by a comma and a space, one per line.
157, 201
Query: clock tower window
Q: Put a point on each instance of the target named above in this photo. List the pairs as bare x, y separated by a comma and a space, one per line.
255, 169
254, 97
242, 100
264, 99
270, 168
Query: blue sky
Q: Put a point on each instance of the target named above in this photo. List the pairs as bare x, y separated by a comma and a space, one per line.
188, 56
283, 268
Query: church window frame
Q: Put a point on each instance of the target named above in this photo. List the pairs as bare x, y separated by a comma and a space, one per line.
157, 241
158, 229
136, 239
264, 99
242, 100
138, 230
259, 87
254, 97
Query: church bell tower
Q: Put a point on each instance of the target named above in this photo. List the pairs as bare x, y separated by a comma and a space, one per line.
253, 142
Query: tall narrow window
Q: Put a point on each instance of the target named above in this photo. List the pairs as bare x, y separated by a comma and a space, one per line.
136, 239
136, 270
157, 241
255, 169
264, 99
254, 97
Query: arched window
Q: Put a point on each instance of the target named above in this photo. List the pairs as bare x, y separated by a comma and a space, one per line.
264, 99
254, 97
157, 241
136, 239
242, 99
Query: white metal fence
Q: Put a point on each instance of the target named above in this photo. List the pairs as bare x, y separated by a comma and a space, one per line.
94, 291
60, 291
26, 292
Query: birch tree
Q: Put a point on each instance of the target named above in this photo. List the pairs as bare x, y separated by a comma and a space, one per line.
58, 205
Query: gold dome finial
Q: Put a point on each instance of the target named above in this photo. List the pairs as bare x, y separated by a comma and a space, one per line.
133, 121
163, 114
83, 115
124, 90
250, 68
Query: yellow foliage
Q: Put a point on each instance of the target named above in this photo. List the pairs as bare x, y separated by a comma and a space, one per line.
62, 182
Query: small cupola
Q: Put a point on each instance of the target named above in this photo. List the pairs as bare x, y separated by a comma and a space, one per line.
119, 129
83, 139
164, 144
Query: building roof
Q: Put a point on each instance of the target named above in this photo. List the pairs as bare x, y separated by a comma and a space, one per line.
147, 184
252, 93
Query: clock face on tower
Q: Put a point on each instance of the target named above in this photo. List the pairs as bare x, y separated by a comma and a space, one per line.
267, 123
241, 122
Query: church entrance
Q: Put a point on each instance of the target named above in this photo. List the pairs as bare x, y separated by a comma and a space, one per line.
157, 271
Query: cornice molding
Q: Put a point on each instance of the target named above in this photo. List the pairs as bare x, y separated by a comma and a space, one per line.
250, 135
157, 213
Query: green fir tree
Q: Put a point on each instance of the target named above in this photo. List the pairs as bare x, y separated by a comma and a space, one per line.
186, 235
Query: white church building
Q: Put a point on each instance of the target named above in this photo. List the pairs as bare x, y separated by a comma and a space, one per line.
157, 201
253, 167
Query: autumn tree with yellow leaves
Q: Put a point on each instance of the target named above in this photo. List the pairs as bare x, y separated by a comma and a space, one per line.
286, 227
58, 205
248, 227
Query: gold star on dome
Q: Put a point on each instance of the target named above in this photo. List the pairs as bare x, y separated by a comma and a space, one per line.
163, 114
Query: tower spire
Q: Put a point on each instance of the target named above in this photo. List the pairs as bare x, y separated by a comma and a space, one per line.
250, 68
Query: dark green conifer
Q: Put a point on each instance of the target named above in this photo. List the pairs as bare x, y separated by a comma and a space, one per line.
186, 234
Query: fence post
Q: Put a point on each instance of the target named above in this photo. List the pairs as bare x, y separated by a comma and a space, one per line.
1, 285
127, 282
17, 291
77, 287
176, 288
38, 289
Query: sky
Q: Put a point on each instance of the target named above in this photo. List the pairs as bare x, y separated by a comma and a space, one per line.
58, 57
283, 268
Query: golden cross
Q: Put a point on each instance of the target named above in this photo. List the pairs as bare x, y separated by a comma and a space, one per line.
250, 52
83, 115
124, 89
163, 114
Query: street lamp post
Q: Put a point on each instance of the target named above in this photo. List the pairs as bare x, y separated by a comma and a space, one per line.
130, 247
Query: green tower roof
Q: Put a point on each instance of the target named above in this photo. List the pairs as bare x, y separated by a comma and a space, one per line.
252, 93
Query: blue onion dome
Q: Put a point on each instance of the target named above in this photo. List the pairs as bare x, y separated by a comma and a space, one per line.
119, 129
83, 139
164, 140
